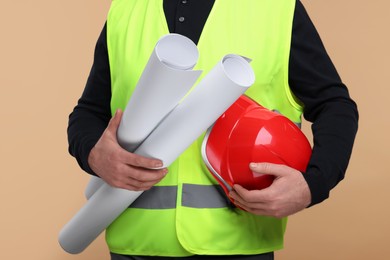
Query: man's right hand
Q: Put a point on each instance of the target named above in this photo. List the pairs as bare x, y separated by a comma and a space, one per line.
120, 168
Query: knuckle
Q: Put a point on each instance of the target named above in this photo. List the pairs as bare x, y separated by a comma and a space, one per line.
117, 170
136, 175
274, 211
138, 161
273, 207
267, 167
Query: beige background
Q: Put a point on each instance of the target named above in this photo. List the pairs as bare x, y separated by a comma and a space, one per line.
46, 50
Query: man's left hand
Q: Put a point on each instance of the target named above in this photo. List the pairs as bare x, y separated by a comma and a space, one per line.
288, 194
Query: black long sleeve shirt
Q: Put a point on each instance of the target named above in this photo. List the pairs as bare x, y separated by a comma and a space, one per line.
312, 78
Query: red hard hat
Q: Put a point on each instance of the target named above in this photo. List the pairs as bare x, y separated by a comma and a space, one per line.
248, 132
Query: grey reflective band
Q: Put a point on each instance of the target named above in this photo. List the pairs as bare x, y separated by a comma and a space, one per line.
203, 196
158, 197
194, 196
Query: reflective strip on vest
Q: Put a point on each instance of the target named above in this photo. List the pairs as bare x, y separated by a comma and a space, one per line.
158, 197
193, 196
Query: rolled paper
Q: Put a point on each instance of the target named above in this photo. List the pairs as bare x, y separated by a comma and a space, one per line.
217, 91
165, 80
93, 185
105, 205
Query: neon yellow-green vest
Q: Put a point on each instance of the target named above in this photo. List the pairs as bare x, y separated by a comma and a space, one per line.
185, 213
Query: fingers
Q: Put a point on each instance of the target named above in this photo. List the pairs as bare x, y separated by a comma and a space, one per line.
250, 198
259, 202
140, 161
264, 195
136, 185
288, 194
243, 199
270, 168
120, 168
135, 172
136, 178
144, 175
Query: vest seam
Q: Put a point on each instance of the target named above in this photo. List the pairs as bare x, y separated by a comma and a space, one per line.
290, 95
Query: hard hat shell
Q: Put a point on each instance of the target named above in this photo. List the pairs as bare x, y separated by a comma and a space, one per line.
248, 132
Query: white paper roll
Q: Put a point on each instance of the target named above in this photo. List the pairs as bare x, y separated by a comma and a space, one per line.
166, 79
198, 111
105, 205
218, 90
93, 185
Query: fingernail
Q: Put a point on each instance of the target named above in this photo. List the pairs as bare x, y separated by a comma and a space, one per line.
253, 164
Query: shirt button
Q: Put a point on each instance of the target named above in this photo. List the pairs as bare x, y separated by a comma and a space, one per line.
181, 19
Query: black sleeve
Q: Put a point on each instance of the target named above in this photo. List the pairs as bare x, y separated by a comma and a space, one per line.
327, 104
92, 112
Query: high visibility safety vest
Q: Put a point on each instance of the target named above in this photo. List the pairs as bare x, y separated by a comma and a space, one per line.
187, 213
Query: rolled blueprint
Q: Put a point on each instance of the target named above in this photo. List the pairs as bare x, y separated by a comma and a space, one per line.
165, 80
217, 91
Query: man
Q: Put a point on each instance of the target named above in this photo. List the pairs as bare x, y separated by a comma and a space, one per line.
294, 75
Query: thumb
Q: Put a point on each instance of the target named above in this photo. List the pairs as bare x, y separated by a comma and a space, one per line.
115, 121
277, 170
